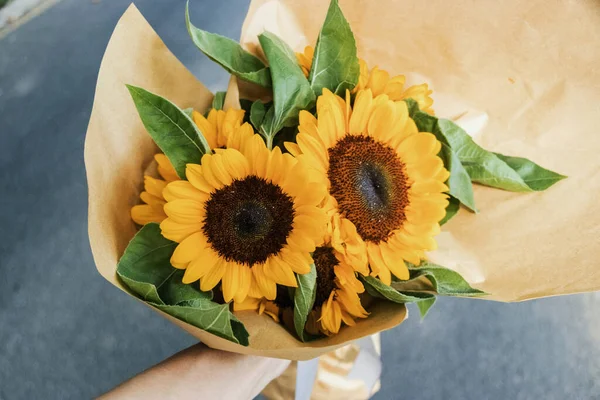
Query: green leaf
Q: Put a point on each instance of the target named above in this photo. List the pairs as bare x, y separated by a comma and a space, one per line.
229, 54
304, 298
335, 63
291, 90
425, 306
482, 166
145, 266
257, 114
170, 128
536, 177
451, 210
376, 288
424, 121
459, 182
175, 292
445, 282
211, 317
218, 100
413, 107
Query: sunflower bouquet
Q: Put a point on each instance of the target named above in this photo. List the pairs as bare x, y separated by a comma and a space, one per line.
297, 211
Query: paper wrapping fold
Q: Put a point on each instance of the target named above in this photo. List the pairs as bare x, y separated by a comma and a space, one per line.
532, 67
117, 152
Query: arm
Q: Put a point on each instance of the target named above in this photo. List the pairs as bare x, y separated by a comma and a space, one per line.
201, 372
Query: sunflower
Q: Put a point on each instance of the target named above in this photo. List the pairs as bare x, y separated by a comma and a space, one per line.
247, 218
379, 82
152, 210
385, 177
336, 296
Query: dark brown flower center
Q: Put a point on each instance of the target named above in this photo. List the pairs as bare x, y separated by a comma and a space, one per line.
324, 262
370, 184
248, 220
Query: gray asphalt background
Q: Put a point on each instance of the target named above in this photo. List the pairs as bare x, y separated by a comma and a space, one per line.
65, 333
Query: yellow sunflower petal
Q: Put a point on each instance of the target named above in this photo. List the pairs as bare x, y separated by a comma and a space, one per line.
275, 165
189, 249
378, 81
230, 282
165, 168
293, 148
200, 266
347, 319
280, 271
331, 122
313, 150
219, 170
381, 124
428, 187
183, 190
207, 128
418, 242
254, 290
248, 304
237, 139
144, 214
422, 95
377, 264
235, 163
395, 87
347, 277
213, 276
245, 280
194, 174
185, 211
312, 228
410, 255
350, 302
427, 168
422, 230
267, 286
176, 231
208, 170
313, 194
335, 318
394, 262
154, 186
156, 202
296, 261
297, 242
308, 124
416, 147
361, 112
